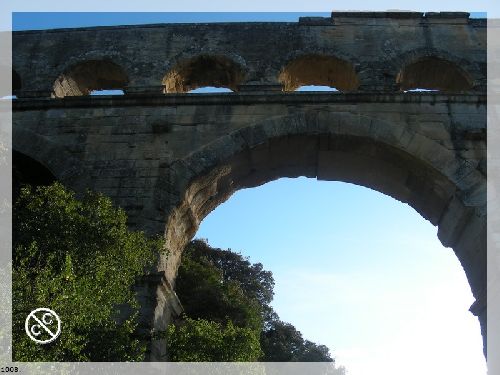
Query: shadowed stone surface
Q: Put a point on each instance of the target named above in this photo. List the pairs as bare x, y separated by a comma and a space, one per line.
170, 159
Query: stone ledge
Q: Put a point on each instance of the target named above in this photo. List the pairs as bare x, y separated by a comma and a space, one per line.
452, 18
242, 99
447, 15
389, 14
397, 15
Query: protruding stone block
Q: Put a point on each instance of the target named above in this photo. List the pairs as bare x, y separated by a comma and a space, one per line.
448, 15
389, 14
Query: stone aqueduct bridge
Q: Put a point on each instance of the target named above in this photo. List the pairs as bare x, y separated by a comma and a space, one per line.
169, 158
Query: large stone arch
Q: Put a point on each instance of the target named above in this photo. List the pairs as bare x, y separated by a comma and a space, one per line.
392, 158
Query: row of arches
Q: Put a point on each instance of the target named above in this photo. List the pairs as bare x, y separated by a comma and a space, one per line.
219, 71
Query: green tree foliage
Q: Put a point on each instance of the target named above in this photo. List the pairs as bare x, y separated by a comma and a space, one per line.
209, 292
78, 258
219, 287
255, 282
222, 322
281, 342
201, 340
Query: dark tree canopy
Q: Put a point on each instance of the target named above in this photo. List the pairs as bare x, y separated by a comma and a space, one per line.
206, 294
281, 342
78, 258
253, 283
222, 287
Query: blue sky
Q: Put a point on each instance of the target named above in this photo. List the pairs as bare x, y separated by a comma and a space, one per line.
354, 269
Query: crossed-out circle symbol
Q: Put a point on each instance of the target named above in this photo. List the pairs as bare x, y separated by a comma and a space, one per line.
42, 325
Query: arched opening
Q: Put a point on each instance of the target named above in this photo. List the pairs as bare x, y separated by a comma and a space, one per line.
27, 171
357, 271
319, 70
427, 177
204, 71
90, 76
433, 74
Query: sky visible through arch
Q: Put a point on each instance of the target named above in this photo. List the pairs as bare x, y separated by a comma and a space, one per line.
359, 272
355, 270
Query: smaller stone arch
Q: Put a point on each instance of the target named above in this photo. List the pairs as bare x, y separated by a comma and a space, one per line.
84, 77
319, 70
434, 73
215, 70
28, 171
58, 161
